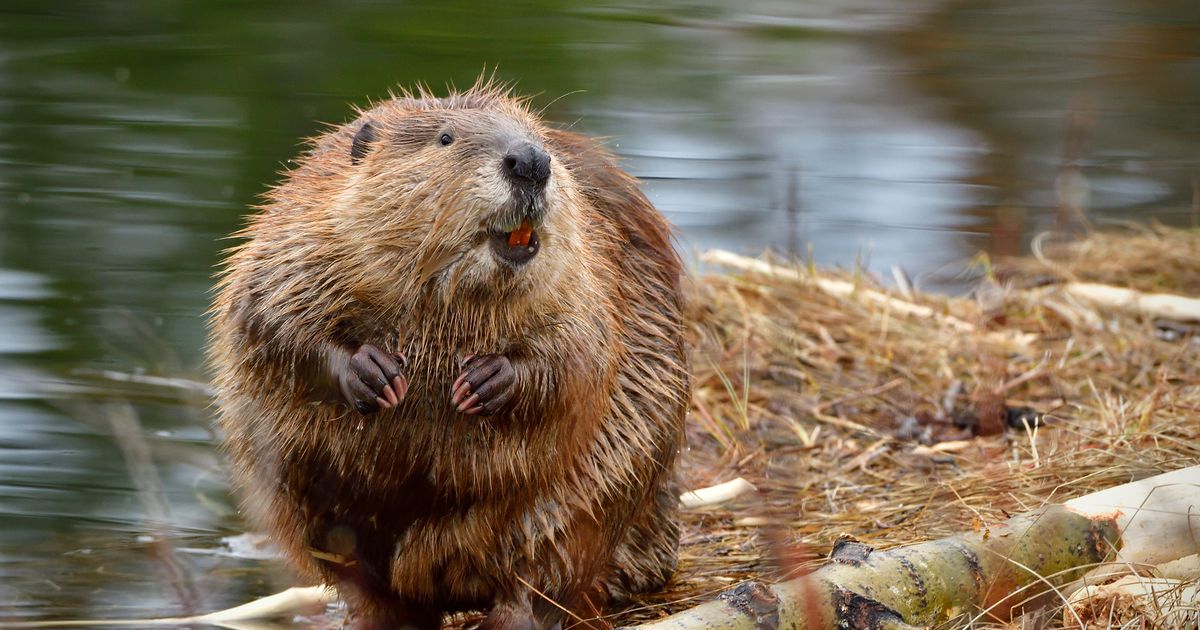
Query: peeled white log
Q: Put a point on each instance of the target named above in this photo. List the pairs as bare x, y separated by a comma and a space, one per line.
286, 602
716, 495
1159, 517
1165, 305
843, 289
290, 602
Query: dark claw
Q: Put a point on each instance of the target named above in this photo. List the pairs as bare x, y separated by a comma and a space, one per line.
485, 385
373, 379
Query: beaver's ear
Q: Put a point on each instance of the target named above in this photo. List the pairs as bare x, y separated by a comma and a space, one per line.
363, 139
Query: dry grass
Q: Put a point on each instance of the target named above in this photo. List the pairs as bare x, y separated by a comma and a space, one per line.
1147, 258
831, 407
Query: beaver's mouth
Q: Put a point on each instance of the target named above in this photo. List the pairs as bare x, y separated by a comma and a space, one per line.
517, 245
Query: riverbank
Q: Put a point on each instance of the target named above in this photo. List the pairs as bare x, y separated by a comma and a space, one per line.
897, 417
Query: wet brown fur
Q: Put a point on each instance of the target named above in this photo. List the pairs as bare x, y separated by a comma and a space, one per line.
420, 510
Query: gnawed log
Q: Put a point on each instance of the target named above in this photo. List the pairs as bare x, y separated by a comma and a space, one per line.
992, 571
1158, 516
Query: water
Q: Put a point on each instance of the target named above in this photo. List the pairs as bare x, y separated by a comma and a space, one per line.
133, 135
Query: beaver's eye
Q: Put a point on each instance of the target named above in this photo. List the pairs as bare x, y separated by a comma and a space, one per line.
446, 139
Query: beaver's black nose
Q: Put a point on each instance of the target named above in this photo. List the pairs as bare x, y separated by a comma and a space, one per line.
528, 166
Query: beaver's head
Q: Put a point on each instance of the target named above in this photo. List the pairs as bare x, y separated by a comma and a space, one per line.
462, 195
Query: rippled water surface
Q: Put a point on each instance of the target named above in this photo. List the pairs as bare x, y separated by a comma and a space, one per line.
909, 133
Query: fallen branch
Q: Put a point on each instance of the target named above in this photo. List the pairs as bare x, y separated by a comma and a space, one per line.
919, 585
843, 289
1159, 517
289, 602
995, 572
1165, 305
715, 495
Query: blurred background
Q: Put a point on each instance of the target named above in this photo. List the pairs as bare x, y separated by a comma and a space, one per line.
910, 133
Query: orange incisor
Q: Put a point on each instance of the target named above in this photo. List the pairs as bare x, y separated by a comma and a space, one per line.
520, 236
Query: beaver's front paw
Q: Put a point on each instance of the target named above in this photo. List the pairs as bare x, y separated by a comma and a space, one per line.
372, 379
485, 385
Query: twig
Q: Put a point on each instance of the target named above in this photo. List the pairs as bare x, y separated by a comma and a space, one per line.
843, 289
716, 495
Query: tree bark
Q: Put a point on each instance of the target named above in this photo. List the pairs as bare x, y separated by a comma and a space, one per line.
991, 572
1001, 570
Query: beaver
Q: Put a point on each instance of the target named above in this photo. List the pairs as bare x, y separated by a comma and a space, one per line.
451, 369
